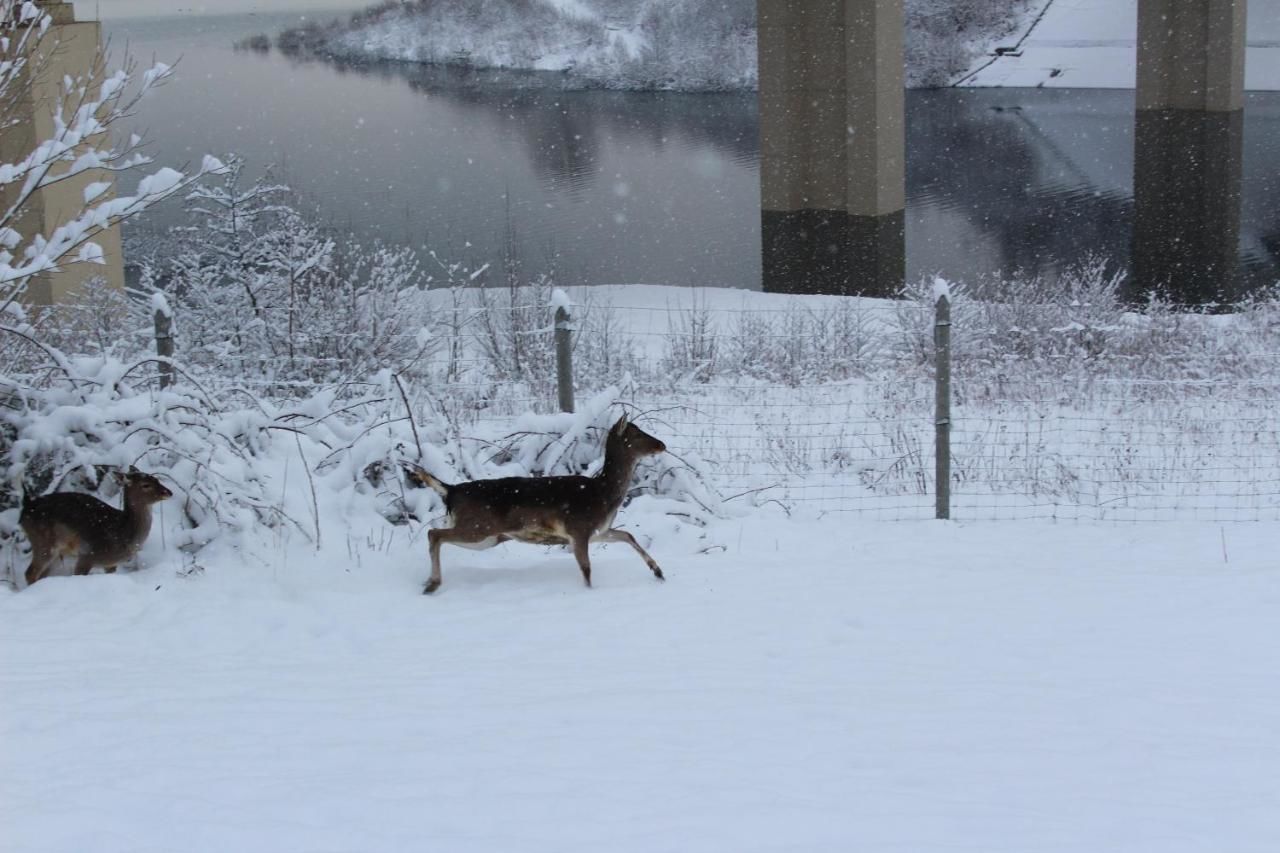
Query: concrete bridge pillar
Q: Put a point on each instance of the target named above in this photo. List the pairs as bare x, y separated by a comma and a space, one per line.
832, 148
1189, 148
69, 48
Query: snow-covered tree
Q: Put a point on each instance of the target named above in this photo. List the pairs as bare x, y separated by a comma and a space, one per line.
263, 294
83, 147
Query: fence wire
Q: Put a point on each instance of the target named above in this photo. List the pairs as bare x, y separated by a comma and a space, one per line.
827, 404
1073, 445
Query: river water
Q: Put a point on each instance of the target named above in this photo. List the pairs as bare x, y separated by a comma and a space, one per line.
611, 187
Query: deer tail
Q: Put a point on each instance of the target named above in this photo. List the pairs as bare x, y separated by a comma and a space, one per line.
422, 479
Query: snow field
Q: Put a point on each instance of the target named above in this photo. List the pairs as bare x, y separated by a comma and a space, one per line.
795, 685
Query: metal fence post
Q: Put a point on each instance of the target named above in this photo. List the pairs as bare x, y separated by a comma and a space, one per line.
164, 345
564, 358
942, 412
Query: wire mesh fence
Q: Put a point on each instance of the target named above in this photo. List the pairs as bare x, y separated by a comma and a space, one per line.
1192, 437
830, 404
1155, 451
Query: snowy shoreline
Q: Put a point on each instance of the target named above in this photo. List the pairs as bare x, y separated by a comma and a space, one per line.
641, 45
689, 47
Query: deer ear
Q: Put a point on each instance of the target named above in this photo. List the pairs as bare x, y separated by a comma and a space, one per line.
620, 427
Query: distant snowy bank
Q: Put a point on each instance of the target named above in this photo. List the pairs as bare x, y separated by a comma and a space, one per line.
670, 45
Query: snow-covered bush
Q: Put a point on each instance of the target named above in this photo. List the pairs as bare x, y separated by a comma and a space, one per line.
514, 331
801, 345
264, 296
241, 465
219, 455
510, 326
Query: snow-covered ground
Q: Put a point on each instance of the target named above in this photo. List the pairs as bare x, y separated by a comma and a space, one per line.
804, 680
1091, 44
823, 685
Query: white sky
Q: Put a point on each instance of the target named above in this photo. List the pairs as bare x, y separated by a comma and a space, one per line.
87, 9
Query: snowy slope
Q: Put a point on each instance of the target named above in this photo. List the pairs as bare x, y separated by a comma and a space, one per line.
1092, 44
795, 685
684, 45
696, 46
639, 44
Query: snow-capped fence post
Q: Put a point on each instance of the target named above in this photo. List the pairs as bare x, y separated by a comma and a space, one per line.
164, 340
564, 349
942, 396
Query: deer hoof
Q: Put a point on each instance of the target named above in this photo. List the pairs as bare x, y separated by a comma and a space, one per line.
657, 573
431, 587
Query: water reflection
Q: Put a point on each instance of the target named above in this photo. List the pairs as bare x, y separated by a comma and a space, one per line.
563, 128
1032, 181
1187, 204
1033, 188
625, 187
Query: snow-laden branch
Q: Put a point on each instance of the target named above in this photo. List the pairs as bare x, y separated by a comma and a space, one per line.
84, 113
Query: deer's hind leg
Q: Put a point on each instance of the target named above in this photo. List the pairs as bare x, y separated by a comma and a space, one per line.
613, 534
41, 558
458, 536
45, 549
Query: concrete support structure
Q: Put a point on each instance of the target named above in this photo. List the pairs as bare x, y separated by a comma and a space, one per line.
69, 48
832, 149
1189, 147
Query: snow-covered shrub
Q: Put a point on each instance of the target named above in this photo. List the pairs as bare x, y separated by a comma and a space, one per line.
801, 345
603, 348
512, 325
218, 455
692, 344
1075, 316
97, 319
514, 331
262, 295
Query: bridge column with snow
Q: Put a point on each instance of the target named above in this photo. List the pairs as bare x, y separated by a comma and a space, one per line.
69, 49
831, 148
1189, 147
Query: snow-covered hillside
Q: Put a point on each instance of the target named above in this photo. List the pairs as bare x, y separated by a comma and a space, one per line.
694, 45
689, 45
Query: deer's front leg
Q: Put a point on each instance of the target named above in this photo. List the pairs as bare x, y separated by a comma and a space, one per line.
436, 539
584, 559
613, 534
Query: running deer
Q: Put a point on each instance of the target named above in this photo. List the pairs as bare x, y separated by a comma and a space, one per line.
571, 510
65, 524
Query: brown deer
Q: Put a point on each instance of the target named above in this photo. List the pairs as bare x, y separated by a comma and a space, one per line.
571, 510
64, 524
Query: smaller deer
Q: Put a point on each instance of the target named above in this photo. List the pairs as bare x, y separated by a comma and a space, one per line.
570, 510
64, 524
